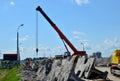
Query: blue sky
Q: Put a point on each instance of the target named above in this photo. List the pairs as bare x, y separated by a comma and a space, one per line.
96, 23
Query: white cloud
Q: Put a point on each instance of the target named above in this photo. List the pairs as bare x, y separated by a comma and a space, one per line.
12, 3
44, 51
80, 2
25, 38
111, 44
107, 47
77, 35
51, 51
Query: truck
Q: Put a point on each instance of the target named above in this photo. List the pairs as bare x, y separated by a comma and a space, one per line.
115, 63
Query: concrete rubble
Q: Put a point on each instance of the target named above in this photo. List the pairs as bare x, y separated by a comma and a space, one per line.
73, 68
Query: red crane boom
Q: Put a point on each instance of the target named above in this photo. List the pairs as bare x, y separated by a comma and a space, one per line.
62, 36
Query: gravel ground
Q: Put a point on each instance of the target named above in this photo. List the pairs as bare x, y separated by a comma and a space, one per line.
110, 76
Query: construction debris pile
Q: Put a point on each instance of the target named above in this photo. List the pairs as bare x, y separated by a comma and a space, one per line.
73, 68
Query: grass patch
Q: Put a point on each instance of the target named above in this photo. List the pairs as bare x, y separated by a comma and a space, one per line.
10, 74
3, 73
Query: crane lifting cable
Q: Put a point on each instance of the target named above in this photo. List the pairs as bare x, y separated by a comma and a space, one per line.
37, 33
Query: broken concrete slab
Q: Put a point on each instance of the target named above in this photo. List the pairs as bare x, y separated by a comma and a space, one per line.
73, 68
92, 73
80, 66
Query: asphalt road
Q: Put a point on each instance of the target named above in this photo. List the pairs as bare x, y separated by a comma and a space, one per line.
110, 76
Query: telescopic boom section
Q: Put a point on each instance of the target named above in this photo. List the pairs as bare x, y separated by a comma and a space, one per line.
62, 36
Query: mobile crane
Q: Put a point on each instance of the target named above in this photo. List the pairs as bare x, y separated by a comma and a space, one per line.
62, 36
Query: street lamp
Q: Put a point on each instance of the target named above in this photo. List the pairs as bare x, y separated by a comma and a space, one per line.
18, 51
83, 46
